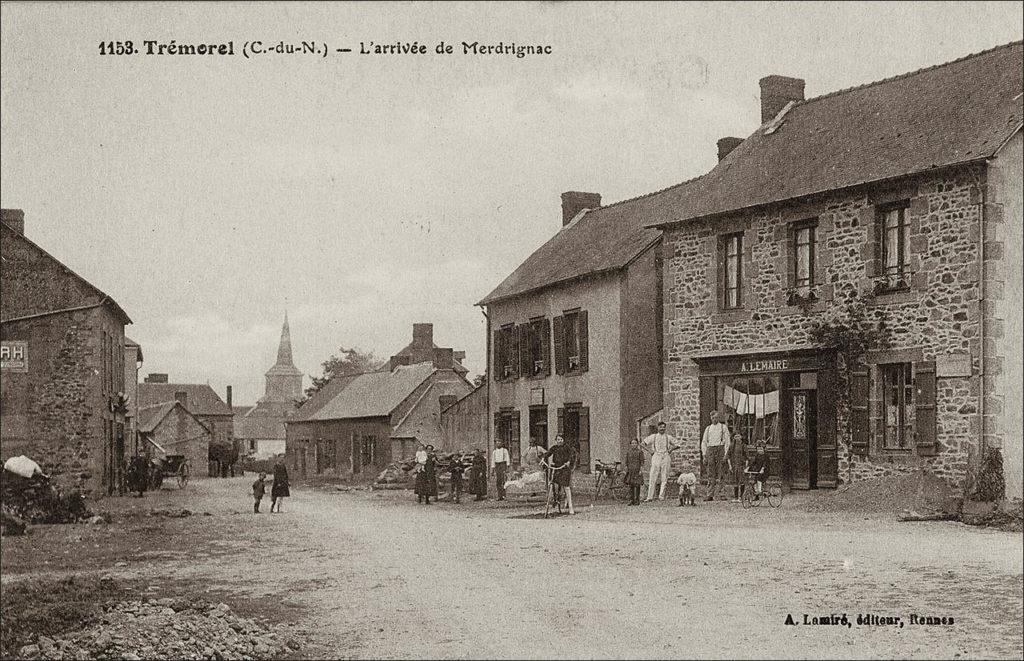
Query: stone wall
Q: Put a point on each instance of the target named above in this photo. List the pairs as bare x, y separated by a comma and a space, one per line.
181, 433
938, 315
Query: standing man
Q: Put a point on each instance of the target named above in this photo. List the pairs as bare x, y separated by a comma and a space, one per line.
500, 461
715, 447
660, 445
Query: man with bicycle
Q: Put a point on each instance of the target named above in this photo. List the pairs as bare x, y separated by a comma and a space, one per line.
559, 461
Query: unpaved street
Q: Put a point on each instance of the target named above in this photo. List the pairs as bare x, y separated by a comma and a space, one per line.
375, 575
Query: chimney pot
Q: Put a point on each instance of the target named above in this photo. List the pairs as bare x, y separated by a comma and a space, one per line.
156, 377
444, 359
574, 202
229, 396
776, 92
726, 145
14, 218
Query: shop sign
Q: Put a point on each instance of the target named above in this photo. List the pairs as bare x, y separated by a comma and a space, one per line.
14, 356
536, 396
764, 366
953, 365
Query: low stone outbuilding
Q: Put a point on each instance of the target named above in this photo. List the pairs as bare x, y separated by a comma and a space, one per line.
170, 428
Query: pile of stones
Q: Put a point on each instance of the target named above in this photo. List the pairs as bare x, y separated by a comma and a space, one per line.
168, 628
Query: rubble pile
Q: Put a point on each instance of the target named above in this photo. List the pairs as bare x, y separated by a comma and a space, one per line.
168, 628
919, 492
35, 500
394, 473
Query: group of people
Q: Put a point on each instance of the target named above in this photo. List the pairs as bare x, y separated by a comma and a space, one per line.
427, 468
715, 445
278, 489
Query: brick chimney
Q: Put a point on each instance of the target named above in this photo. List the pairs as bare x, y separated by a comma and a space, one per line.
444, 359
574, 202
726, 145
229, 396
14, 218
181, 396
422, 343
776, 92
156, 377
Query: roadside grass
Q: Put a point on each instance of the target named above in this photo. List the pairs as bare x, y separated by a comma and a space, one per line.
44, 607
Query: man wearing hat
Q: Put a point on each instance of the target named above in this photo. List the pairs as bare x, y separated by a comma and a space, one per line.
714, 445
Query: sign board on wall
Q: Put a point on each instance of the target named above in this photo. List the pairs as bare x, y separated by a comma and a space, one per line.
14, 356
953, 365
536, 396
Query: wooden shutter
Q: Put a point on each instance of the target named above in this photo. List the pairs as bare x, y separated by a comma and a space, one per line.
860, 416
559, 330
513, 448
584, 342
924, 409
720, 251
561, 422
514, 351
497, 426
584, 439
876, 267
525, 359
499, 354
545, 341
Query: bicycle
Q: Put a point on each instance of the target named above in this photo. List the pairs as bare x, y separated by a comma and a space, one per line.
556, 494
772, 492
612, 477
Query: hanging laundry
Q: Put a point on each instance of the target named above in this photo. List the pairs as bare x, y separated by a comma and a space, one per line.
771, 402
758, 401
743, 406
729, 397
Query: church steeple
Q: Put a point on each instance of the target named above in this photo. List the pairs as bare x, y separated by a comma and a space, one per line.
284, 380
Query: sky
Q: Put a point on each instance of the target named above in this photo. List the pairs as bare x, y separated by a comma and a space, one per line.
208, 195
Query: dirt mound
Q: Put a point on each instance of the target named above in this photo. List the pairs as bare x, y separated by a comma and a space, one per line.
919, 492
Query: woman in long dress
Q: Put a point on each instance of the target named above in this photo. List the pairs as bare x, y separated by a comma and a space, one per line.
279, 491
478, 483
561, 457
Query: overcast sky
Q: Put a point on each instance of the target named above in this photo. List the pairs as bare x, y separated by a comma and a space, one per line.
364, 193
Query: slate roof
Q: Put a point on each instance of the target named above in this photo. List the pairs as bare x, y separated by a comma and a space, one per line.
602, 240
150, 416
944, 115
373, 394
202, 400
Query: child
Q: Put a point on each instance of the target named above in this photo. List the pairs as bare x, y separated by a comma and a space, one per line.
455, 469
687, 489
757, 467
258, 490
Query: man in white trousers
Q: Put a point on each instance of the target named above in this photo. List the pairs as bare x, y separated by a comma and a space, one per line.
660, 446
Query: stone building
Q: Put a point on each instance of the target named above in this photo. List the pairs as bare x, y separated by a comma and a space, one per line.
169, 428
904, 193
355, 425
62, 391
574, 333
200, 400
260, 431
132, 362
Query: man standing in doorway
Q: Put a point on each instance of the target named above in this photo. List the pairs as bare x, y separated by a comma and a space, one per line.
715, 447
660, 445
500, 461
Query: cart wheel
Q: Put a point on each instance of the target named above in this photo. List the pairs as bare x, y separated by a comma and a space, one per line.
774, 492
183, 476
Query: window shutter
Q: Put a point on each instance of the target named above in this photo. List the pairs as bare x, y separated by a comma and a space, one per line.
559, 345
791, 254
499, 354
515, 356
525, 359
584, 440
584, 423
860, 417
514, 443
497, 426
924, 409
545, 341
878, 224
720, 270
561, 421
584, 342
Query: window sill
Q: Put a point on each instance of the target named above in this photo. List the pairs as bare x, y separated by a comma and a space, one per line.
894, 296
731, 316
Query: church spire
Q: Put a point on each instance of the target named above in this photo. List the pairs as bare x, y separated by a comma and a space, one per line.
284, 349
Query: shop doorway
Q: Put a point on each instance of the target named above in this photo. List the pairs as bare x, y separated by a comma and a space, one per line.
539, 425
800, 448
574, 427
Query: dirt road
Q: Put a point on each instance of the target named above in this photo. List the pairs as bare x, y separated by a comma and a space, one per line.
376, 575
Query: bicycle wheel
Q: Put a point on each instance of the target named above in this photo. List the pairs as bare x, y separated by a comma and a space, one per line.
748, 497
183, 476
774, 494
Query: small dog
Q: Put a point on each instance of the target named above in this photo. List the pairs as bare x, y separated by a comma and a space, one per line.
687, 489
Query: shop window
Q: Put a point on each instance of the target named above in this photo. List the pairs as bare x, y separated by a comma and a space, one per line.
732, 259
894, 247
752, 407
897, 406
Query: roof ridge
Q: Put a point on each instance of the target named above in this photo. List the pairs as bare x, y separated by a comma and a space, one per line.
909, 73
651, 194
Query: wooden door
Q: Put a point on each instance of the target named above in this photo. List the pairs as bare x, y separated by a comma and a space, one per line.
802, 450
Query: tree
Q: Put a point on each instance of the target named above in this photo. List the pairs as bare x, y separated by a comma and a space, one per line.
344, 363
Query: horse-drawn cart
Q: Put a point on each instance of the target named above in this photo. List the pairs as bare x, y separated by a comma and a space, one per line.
171, 466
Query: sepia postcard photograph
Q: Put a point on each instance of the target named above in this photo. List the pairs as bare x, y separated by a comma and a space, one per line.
511, 330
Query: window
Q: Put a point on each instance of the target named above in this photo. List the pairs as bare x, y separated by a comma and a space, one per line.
803, 256
537, 342
732, 246
572, 341
897, 405
895, 251
751, 406
506, 429
506, 352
